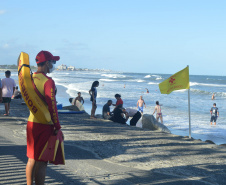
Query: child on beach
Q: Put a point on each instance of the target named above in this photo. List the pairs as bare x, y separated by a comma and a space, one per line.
119, 100
8, 88
214, 114
140, 105
17, 94
79, 98
93, 94
158, 112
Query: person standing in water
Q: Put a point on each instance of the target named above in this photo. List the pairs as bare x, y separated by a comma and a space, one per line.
93, 94
214, 114
158, 112
140, 105
213, 97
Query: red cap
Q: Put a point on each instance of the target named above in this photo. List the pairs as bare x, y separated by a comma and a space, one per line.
43, 56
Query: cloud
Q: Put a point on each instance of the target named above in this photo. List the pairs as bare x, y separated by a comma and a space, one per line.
6, 46
2, 12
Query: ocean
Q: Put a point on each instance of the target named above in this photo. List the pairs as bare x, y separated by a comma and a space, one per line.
133, 85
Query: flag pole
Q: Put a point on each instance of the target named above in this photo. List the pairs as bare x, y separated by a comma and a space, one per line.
189, 112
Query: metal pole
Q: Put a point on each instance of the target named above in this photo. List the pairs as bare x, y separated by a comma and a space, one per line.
189, 113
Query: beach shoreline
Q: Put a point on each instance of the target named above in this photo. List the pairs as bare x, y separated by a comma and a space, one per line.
64, 99
175, 116
118, 151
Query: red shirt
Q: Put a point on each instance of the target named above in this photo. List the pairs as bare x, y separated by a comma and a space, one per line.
119, 102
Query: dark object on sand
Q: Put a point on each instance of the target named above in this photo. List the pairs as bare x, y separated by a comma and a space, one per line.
209, 141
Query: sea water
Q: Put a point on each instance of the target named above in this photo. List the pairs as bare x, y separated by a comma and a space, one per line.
133, 85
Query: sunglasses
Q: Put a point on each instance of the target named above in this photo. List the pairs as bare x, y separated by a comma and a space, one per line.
53, 61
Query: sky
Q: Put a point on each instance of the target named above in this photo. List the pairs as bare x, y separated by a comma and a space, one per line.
143, 36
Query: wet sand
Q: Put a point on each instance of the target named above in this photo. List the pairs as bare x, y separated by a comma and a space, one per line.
103, 152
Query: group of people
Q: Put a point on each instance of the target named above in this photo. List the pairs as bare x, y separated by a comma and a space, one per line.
121, 114
38, 133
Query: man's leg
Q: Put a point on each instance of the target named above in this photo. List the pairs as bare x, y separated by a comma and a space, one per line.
40, 172
30, 171
161, 119
135, 119
157, 117
142, 111
6, 108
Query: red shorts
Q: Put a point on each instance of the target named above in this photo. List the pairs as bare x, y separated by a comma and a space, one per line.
37, 136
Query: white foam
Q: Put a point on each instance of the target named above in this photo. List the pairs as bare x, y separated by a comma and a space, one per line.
140, 81
107, 80
147, 76
159, 78
154, 83
113, 75
204, 84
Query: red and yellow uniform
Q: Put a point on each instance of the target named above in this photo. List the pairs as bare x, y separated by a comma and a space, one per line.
37, 132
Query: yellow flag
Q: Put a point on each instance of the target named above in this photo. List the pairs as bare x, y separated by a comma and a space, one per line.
179, 80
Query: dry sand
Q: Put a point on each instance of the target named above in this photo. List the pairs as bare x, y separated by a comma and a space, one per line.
103, 152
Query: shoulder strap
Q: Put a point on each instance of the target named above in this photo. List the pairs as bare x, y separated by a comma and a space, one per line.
32, 80
36, 89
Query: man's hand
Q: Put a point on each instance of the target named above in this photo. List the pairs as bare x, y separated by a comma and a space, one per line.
56, 131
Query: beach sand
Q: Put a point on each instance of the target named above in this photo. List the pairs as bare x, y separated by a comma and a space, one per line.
102, 152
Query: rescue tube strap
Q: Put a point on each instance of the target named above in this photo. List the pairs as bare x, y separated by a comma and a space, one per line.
24, 65
36, 89
32, 80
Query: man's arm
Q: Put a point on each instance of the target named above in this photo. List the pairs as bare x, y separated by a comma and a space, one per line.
75, 100
145, 104
49, 89
83, 101
154, 110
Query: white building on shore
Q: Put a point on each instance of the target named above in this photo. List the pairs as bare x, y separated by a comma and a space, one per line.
62, 67
71, 68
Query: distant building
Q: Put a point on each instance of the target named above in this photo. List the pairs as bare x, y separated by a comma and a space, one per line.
71, 68
62, 67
